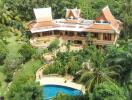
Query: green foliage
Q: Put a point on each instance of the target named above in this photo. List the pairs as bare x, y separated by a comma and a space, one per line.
54, 45
25, 89
4, 33
108, 91
65, 63
3, 52
121, 55
67, 97
9, 77
26, 51
0, 83
23, 86
38, 54
10, 66
14, 13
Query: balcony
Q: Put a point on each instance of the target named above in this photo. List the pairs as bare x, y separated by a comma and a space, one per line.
102, 42
65, 37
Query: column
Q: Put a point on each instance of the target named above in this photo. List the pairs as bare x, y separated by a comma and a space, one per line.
112, 37
52, 32
41, 34
101, 36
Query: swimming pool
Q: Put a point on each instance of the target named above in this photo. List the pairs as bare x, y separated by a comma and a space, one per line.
50, 91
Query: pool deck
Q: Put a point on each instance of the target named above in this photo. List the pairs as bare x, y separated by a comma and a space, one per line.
55, 79
59, 80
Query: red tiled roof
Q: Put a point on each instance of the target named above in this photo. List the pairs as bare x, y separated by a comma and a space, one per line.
111, 27
107, 16
73, 21
41, 24
101, 26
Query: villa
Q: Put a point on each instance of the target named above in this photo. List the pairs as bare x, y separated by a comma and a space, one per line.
105, 29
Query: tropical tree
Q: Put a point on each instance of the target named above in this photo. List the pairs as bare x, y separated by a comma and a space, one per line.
26, 51
122, 55
23, 90
126, 16
108, 91
96, 71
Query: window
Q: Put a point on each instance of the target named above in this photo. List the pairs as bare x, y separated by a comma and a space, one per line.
56, 32
70, 33
82, 34
102, 22
77, 42
69, 41
107, 37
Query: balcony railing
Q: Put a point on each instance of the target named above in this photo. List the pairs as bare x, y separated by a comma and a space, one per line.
103, 42
74, 37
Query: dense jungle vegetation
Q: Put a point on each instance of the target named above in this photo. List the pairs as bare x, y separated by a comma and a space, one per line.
111, 74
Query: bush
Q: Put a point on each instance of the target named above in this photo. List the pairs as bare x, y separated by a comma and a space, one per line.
108, 91
9, 77
24, 89
0, 83
26, 51
10, 66
54, 45
61, 96
38, 54
54, 68
3, 52
16, 34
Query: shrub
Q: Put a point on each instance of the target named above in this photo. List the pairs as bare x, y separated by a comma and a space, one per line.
9, 77
15, 33
3, 52
108, 91
38, 54
54, 45
0, 83
26, 51
10, 66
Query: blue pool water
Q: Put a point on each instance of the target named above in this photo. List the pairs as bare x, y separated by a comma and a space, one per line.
50, 91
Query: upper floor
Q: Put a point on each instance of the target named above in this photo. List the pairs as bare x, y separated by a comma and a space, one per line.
105, 23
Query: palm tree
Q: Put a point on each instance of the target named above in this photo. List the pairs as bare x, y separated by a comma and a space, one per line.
68, 44
96, 71
122, 56
69, 64
97, 75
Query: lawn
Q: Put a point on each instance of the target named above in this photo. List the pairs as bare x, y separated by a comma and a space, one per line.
13, 47
28, 69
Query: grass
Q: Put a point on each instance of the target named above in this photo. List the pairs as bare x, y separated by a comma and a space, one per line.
28, 69
13, 47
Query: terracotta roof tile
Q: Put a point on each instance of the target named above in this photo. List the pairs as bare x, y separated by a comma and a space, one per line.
111, 27
101, 26
107, 15
41, 24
